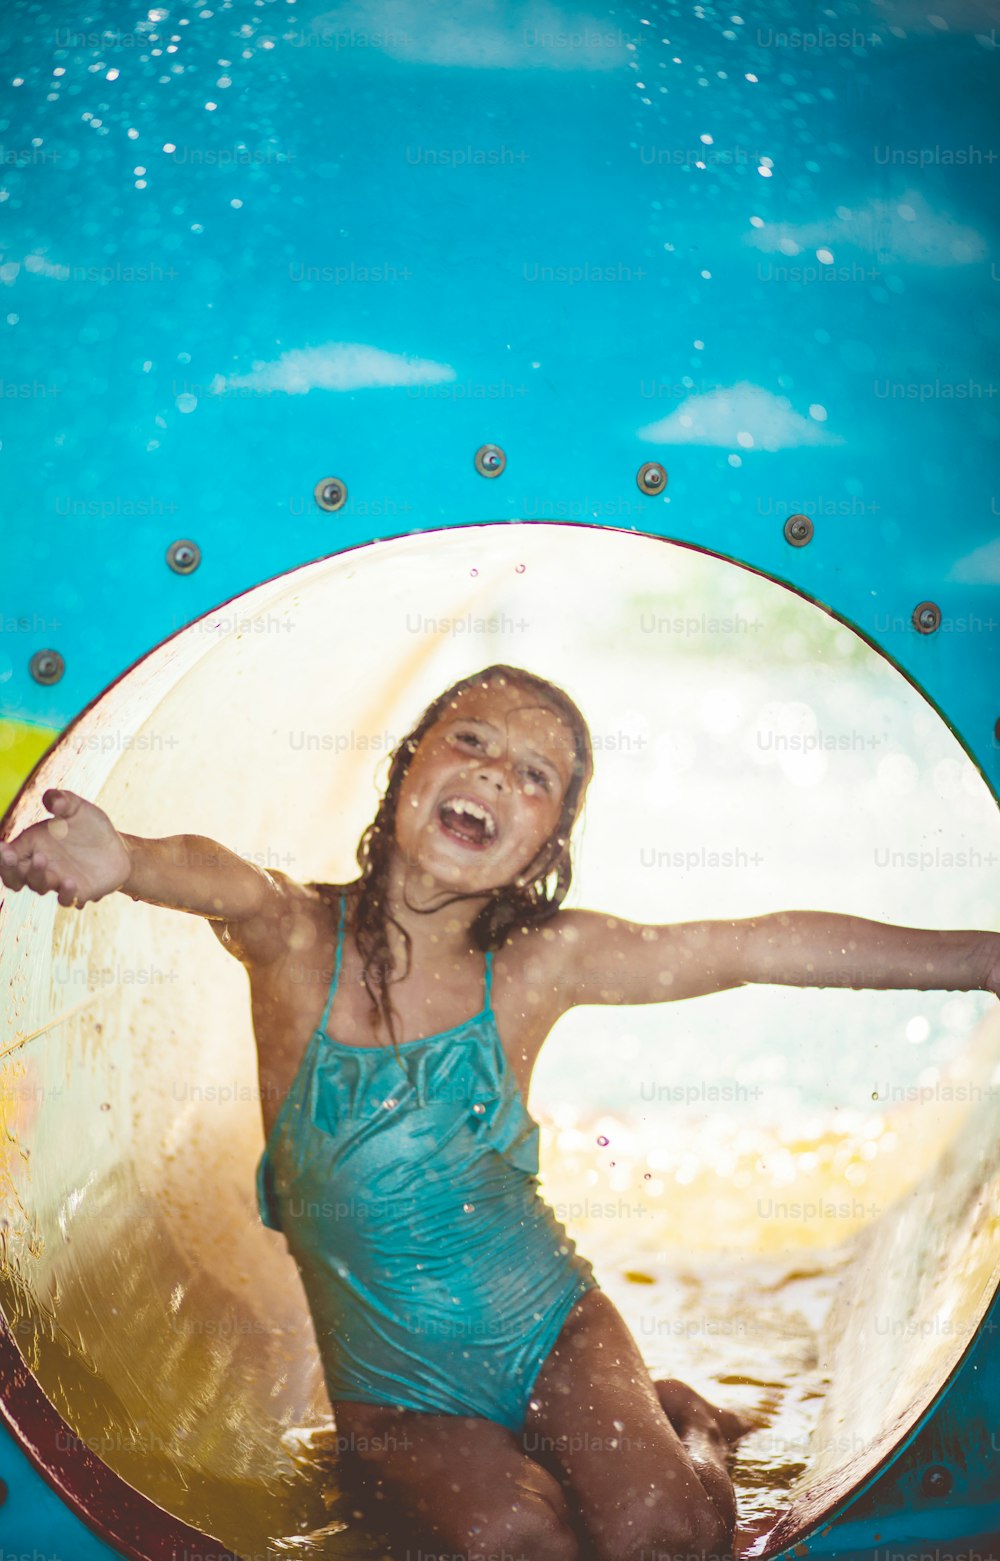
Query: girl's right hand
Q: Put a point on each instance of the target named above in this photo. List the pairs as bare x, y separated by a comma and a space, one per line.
78, 852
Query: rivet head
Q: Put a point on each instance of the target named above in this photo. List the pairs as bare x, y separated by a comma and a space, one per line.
798, 530
926, 617
936, 1481
479, 1108
46, 666
330, 493
490, 460
651, 478
184, 556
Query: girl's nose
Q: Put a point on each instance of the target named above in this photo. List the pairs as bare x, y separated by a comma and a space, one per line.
496, 774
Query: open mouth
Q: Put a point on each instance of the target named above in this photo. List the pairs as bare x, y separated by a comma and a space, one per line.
469, 821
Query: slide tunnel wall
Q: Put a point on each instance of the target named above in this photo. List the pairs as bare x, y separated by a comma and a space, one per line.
130, 1229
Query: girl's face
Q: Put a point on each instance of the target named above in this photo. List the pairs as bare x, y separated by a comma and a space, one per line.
484, 789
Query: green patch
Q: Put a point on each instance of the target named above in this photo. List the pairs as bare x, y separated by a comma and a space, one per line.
21, 747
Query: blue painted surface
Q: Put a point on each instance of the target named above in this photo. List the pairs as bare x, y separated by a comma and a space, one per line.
34, 1522
335, 149
351, 266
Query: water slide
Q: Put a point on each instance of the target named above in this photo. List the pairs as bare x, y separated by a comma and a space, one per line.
324, 398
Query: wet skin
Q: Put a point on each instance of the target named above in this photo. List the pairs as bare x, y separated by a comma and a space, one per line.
606, 1458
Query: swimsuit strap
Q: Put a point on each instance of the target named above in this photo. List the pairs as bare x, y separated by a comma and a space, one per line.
488, 982
336, 969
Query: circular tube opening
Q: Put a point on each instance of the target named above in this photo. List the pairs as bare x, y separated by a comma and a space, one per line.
774, 1184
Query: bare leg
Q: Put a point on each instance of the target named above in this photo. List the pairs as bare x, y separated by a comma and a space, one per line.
708, 1434
596, 1420
455, 1484
682, 1403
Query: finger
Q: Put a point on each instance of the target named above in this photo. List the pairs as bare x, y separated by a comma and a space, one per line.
37, 874
64, 803
71, 890
10, 871
10, 865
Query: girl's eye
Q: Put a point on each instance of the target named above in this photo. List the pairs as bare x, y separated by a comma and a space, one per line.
536, 777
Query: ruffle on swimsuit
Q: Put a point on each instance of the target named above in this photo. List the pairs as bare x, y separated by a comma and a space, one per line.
437, 1277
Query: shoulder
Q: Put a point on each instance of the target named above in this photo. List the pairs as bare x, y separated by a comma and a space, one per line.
570, 929
548, 951
291, 916
580, 957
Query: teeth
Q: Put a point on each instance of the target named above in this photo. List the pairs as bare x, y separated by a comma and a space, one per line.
464, 805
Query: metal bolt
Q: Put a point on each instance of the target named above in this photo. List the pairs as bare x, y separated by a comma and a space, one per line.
490, 460
330, 493
46, 666
184, 556
798, 530
936, 1481
651, 478
926, 617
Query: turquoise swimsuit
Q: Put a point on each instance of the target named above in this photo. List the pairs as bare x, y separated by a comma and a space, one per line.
406, 1188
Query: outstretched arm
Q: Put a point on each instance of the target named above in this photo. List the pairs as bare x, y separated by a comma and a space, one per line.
602, 959
80, 856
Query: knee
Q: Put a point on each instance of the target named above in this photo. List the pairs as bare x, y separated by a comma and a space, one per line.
711, 1534
649, 1532
533, 1531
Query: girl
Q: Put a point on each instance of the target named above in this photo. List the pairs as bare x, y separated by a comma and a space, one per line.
453, 1314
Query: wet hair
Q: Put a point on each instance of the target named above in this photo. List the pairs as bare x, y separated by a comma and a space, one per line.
536, 893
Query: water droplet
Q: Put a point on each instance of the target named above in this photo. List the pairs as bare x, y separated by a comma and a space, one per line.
602, 1140
469, 1208
473, 571
519, 569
